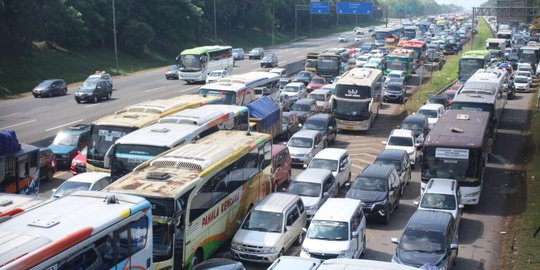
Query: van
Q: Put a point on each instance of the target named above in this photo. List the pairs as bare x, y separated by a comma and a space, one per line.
337, 230
281, 166
270, 228
352, 264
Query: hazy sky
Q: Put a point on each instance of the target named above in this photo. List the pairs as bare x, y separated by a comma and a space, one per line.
467, 4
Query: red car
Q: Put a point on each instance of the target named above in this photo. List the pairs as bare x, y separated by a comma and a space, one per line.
78, 164
316, 83
451, 93
47, 164
281, 166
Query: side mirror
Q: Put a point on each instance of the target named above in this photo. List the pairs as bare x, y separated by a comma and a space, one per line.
384, 142
394, 240
326, 194
288, 228
53, 190
416, 203
331, 128
354, 234
461, 206
453, 246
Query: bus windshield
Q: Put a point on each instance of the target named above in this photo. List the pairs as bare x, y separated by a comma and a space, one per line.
328, 63
229, 97
463, 168
103, 137
191, 62
396, 64
381, 35
472, 106
127, 157
468, 67
358, 111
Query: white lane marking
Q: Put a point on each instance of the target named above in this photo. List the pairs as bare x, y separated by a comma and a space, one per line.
154, 89
91, 105
19, 124
61, 126
300, 57
11, 114
189, 89
282, 63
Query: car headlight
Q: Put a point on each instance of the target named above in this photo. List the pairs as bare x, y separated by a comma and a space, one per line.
474, 194
344, 253
269, 250
64, 156
236, 246
383, 202
73, 162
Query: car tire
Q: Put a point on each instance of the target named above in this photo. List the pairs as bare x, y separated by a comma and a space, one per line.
78, 101
95, 99
35, 96
386, 218
109, 95
65, 92
364, 245
49, 94
50, 176
299, 239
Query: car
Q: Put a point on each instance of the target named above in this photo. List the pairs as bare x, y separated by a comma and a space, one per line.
172, 72
336, 160
419, 125
358, 37
285, 102
398, 74
329, 87
93, 91
325, 123
99, 76
444, 195
304, 145
400, 160
526, 74
294, 262
283, 76
269, 60
316, 82
47, 164
402, 139
433, 112
450, 49
522, 84
215, 75
343, 38
256, 53
430, 237
367, 47
394, 91
314, 186
303, 76
378, 187
438, 99
289, 125
68, 142
361, 60
219, 264
304, 108
281, 166
238, 54
49, 88
270, 228
358, 30
526, 67
295, 90
78, 163
83, 181
451, 93
322, 98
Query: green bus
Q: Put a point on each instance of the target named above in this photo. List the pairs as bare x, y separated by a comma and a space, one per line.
471, 61
401, 60
195, 64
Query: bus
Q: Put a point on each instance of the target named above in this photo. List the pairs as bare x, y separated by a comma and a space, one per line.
380, 35
14, 204
19, 170
419, 48
471, 61
357, 98
171, 131
529, 54
200, 193
506, 35
106, 130
311, 62
401, 60
458, 148
391, 41
409, 32
83, 230
332, 62
196, 63
239, 89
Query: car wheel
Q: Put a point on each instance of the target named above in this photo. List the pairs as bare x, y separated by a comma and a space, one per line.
109, 95
50, 176
386, 219
35, 96
95, 100
349, 177
299, 239
78, 100
49, 94
196, 259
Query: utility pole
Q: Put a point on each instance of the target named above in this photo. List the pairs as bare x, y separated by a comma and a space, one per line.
295, 21
472, 30
215, 21
273, 21
386, 9
114, 32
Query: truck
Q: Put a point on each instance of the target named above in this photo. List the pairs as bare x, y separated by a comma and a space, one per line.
265, 116
311, 62
402, 60
19, 165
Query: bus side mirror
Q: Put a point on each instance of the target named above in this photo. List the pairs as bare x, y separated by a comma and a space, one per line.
109, 156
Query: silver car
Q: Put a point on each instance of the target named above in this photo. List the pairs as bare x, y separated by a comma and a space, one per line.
304, 145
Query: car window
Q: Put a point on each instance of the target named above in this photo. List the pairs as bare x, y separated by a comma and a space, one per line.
292, 216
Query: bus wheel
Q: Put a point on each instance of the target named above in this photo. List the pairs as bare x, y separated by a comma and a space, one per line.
197, 258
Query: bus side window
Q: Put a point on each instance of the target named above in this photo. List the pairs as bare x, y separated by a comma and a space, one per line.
267, 157
87, 260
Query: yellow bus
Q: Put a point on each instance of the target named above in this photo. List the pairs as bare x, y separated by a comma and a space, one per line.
200, 192
106, 130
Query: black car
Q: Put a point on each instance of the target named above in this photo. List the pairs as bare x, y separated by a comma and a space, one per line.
513, 58
394, 92
49, 88
438, 99
325, 123
511, 90
450, 49
269, 60
400, 160
304, 108
367, 47
172, 73
303, 76
430, 237
378, 187
418, 124
256, 53
289, 125
93, 91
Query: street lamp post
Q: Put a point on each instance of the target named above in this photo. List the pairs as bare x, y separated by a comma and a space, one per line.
114, 31
273, 21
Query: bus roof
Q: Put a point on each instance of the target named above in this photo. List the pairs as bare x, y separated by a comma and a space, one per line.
13, 204
172, 171
202, 115
383, 29
475, 54
411, 43
401, 53
475, 98
248, 78
360, 76
40, 233
458, 128
204, 49
144, 113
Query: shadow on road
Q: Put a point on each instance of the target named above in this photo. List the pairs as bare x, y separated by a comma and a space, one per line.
470, 230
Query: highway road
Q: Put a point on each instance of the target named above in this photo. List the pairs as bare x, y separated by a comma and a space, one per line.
482, 228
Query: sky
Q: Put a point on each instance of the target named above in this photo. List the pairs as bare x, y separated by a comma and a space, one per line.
467, 4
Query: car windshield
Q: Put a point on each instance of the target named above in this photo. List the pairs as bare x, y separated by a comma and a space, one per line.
400, 141
363, 58
66, 139
318, 97
315, 124
268, 57
428, 113
302, 75
450, 96
370, 183
236, 50
438, 201
89, 85
386, 161
319, 163
328, 230
301, 107
422, 240
413, 125
171, 68
304, 189
300, 142
393, 75
318, 80
263, 221
44, 84
521, 80
292, 89
523, 74
215, 73
69, 187
394, 87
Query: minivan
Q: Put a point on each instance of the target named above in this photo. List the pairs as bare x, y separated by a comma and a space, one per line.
442, 194
430, 237
379, 189
325, 123
281, 166
400, 160
270, 228
336, 231
336, 160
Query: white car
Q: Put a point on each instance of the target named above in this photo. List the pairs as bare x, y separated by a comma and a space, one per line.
343, 38
215, 75
402, 139
336, 160
99, 76
358, 37
525, 67
523, 73
395, 74
361, 60
522, 84
83, 181
295, 90
444, 195
433, 112
304, 145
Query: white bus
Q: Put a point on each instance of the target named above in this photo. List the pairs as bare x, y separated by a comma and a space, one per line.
200, 193
84, 230
196, 63
14, 204
239, 89
357, 98
171, 131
